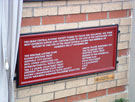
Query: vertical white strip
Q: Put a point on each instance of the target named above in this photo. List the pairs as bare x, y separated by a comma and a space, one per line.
3, 75
14, 30
132, 59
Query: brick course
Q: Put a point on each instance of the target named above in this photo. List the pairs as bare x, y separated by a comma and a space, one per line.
30, 21
96, 94
118, 14
75, 18
76, 98
123, 52
97, 16
52, 20
116, 89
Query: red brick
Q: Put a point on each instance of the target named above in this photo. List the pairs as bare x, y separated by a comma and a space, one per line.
58, 100
75, 18
118, 14
123, 52
97, 16
52, 20
31, 21
129, 13
76, 97
96, 94
116, 89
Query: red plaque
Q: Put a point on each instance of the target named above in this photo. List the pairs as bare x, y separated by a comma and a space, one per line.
57, 55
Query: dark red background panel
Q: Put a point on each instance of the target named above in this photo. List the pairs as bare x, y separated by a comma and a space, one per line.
57, 55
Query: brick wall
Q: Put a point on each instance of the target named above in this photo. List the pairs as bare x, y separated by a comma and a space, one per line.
68, 14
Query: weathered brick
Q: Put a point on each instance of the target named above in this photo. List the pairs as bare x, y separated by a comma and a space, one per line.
106, 99
122, 95
29, 92
65, 80
125, 21
54, 87
91, 80
88, 100
69, 10
32, 4
130, 28
129, 13
105, 85
123, 29
88, 24
120, 75
127, 5
52, 19
123, 67
25, 30
27, 12
96, 94
54, 3
76, 97
84, 89
116, 89
122, 60
109, 22
123, 52
118, 14
71, 2
43, 28
45, 11
27, 99
58, 100
121, 82
31, 21
125, 37
112, 6
42, 97
76, 83
128, 59
105, 74
65, 93
66, 26
43, 84
75, 18
91, 8
97, 16
122, 45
